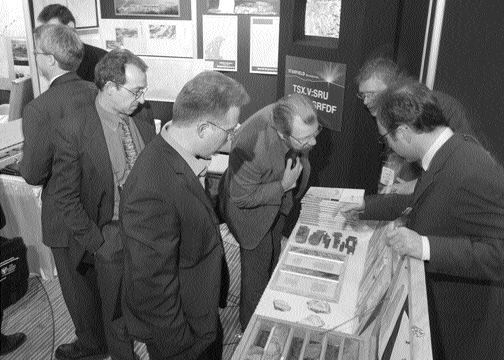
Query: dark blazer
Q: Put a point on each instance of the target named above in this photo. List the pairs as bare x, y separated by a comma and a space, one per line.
83, 173
459, 205
173, 254
92, 55
250, 192
66, 94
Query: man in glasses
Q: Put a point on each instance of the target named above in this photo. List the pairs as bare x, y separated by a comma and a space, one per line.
453, 221
173, 248
377, 75
60, 15
256, 193
58, 52
96, 148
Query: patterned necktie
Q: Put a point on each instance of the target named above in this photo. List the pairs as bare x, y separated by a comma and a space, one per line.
130, 150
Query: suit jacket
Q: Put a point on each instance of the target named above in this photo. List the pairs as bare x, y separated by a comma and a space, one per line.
91, 57
250, 193
83, 173
173, 254
40, 118
459, 205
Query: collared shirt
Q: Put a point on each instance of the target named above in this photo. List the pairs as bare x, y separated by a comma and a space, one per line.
198, 166
426, 161
57, 76
112, 132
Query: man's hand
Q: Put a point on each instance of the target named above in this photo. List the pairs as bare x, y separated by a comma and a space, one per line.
404, 241
350, 211
291, 175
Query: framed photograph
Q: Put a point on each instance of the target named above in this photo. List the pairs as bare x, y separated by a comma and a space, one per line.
84, 11
142, 8
146, 9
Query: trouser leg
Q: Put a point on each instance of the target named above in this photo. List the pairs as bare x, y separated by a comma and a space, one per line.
109, 264
82, 299
257, 265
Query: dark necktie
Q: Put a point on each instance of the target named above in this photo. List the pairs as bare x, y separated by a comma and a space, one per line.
305, 175
130, 150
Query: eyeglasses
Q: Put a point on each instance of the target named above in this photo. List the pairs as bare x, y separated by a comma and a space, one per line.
40, 53
305, 141
230, 132
366, 94
137, 94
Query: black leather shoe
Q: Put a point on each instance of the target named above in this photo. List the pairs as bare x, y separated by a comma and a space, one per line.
75, 351
11, 342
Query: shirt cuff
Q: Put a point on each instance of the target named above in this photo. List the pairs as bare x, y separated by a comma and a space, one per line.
425, 249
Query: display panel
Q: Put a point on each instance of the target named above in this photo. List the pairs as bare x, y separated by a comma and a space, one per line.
322, 18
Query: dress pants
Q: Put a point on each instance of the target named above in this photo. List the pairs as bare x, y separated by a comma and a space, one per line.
109, 265
82, 299
257, 265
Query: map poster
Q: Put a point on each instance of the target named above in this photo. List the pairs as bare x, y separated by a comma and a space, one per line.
220, 41
323, 82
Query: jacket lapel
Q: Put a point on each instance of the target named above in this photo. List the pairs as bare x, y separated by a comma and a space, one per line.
184, 171
99, 150
145, 126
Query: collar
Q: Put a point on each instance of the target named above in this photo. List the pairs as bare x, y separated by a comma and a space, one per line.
57, 76
199, 166
108, 118
440, 141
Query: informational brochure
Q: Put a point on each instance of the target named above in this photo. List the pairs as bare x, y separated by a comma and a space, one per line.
264, 34
220, 41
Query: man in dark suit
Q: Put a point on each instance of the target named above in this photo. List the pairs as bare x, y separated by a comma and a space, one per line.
96, 147
59, 14
173, 248
255, 192
378, 74
59, 51
454, 222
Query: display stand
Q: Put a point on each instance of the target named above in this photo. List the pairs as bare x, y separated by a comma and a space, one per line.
338, 292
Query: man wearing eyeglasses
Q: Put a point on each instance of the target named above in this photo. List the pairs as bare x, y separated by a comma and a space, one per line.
376, 76
96, 148
58, 52
453, 221
173, 248
256, 193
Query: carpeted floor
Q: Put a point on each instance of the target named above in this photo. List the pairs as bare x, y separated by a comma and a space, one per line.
42, 315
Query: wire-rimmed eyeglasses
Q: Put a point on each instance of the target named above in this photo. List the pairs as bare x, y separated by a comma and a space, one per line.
230, 132
137, 94
366, 94
305, 141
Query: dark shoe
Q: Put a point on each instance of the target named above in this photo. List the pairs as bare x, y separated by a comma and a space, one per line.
11, 342
75, 351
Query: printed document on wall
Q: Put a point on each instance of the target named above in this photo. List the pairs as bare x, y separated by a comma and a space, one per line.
220, 41
264, 44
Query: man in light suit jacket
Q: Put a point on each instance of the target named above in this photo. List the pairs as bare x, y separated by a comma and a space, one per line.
255, 193
96, 147
454, 222
173, 246
59, 52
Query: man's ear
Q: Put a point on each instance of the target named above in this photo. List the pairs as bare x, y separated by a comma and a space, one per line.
202, 129
109, 87
405, 132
